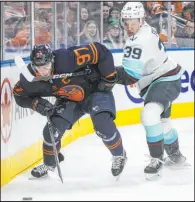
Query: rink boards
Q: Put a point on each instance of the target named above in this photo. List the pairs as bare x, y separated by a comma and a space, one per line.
21, 129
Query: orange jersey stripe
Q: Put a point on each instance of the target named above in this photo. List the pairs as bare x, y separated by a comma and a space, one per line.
49, 152
110, 75
96, 53
114, 146
93, 61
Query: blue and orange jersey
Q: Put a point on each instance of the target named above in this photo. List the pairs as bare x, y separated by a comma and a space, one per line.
94, 54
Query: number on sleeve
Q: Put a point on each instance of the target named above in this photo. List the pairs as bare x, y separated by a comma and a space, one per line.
86, 55
82, 57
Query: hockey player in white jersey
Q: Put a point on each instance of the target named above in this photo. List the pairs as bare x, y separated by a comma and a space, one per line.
158, 80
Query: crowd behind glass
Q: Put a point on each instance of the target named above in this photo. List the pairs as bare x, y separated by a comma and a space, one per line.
64, 24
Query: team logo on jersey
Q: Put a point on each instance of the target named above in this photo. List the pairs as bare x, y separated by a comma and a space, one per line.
132, 38
133, 94
71, 92
6, 110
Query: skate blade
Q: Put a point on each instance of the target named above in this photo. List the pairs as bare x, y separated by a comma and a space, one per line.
118, 176
178, 166
39, 178
153, 177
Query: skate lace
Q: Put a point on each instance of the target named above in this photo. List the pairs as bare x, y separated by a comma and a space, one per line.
42, 169
117, 161
153, 161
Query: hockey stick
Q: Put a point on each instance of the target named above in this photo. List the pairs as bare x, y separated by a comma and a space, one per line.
181, 20
54, 147
65, 75
20, 64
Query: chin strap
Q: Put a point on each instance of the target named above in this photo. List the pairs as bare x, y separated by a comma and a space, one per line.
141, 22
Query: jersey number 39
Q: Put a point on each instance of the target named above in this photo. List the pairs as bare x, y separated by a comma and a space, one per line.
135, 53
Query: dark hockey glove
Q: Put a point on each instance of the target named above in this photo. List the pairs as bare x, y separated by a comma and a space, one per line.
106, 84
42, 106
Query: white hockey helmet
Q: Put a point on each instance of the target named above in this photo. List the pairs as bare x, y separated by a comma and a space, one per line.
133, 10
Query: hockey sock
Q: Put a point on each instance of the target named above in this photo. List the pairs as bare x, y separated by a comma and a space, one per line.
154, 136
114, 144
48, 154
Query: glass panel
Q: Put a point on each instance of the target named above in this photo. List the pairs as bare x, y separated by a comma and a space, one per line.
44, 23
2, 31
16, 29
60, 17
90, 25
71, 11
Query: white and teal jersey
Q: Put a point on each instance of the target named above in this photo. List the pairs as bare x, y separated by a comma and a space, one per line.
145, 58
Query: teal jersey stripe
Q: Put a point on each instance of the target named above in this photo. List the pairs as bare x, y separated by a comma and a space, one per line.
133, 68
168, 78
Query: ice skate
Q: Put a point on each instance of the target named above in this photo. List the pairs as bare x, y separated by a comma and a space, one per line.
41, 171
153, 171
176, 161
118, 164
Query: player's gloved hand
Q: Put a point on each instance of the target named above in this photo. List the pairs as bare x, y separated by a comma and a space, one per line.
60, 102
42, 106
106, 84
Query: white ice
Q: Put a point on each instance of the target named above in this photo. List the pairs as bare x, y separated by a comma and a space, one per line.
87, 176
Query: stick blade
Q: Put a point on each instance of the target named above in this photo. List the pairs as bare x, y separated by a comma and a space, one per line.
19, 62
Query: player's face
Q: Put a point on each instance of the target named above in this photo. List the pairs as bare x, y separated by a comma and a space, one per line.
44, 70
131, 26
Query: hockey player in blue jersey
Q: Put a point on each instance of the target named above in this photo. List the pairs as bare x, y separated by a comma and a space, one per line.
90, 92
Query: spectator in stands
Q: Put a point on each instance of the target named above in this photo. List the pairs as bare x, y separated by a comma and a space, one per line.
72, 28
42, 35
114, 37
16, 33
110, 4
105, 18
13, 9
93, 7
9, 26
115, 13
164, 33
156, 16
185, 31
84, 17
21, 40
90, 33
119, 4
73, 5
45, 15
61, 32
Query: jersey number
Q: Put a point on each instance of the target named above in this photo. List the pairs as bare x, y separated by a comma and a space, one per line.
82, 58
135, 53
